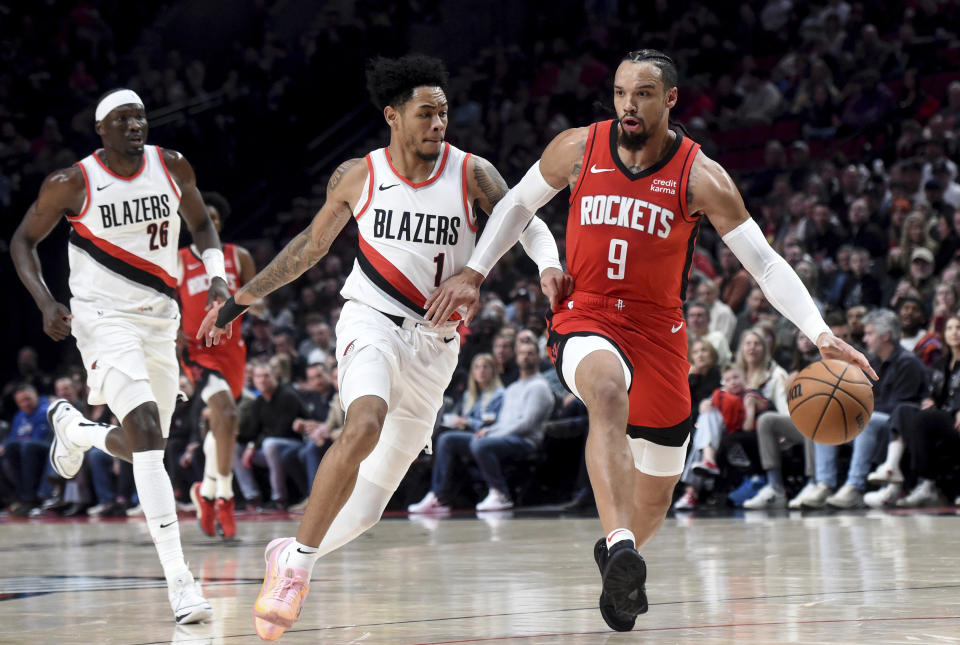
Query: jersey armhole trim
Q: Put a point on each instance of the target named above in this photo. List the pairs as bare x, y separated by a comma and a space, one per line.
587, 152
173, 184
684, 179
87, 198
474, 226
370, 183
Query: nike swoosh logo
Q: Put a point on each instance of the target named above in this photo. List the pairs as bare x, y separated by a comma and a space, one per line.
182, 616
595, 170
382, 187
163, 526
99, 188
676, 328
299, 550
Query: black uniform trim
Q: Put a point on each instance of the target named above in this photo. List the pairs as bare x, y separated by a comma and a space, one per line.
119, 266
672, 437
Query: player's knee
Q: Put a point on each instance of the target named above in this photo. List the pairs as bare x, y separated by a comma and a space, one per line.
606, 396
362, 432
142, 425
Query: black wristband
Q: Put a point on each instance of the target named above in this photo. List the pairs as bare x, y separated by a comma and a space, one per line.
229, 312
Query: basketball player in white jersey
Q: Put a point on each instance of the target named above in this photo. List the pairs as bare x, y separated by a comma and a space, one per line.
413, 202
122, 203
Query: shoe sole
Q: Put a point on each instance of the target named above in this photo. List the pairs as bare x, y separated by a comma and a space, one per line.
195, 615
624, 576
197, 503
56, 442
608, 612
267, 631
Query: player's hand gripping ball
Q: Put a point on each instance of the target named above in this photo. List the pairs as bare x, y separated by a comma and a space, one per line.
830, 401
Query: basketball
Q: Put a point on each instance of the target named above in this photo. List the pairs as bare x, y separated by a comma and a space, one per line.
830, 401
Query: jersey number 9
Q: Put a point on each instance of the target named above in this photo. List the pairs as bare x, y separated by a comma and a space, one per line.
618, 258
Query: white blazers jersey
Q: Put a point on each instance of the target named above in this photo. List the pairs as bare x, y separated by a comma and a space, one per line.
412, 235
123, 246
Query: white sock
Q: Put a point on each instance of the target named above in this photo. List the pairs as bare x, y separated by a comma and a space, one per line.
894, 452
618, 535
159, 507
225, 486
208, 488
300, 555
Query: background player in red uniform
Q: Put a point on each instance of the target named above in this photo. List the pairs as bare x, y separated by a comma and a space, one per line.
217, 373
638, 190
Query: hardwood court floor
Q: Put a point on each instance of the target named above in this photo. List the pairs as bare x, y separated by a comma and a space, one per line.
861, 578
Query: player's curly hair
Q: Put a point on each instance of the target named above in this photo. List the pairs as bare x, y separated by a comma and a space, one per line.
391, 81
218, 201
668, 69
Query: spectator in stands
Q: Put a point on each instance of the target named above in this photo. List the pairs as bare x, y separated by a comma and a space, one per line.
301, 462
901, 381
482, 398
861, 287
914, 335
822, 233
285, 344
921, 275
182, 457
724, 412
946, 300
863, 232
266, 431
929, 434
698, 327
504, 358
24, 453
319, 343
704, 375
516, 434
735, 281
855, 316
722, 318
757, 308
775, 431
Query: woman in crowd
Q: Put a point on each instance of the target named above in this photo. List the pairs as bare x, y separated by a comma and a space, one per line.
704, 376
479, 406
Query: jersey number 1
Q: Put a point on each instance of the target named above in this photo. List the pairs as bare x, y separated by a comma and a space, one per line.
618, 258
155, 232
439, 260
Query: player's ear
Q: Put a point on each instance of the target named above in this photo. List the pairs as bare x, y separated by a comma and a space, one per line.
391, 115
671, 97
99, 128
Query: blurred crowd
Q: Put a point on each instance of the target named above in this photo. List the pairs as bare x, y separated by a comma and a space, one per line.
840, 121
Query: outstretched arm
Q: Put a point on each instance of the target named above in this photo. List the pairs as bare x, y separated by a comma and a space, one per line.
204, 233
62, 193
711, 192
301, 253
509, 218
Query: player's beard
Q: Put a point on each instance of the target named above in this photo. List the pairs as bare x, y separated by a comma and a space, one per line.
633, 140
428, 156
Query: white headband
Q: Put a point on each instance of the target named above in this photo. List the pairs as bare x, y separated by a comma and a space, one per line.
114, 100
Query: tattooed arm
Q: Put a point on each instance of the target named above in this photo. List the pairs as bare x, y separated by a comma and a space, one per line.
306, 249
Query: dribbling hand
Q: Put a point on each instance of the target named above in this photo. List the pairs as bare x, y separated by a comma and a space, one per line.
556, 286
832, 347
209, 331
56, 320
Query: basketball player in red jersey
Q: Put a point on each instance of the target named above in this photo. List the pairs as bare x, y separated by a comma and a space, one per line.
217, 373
124, 203
414, 206
638, 191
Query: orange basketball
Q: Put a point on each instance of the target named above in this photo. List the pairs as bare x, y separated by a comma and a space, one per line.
830, 401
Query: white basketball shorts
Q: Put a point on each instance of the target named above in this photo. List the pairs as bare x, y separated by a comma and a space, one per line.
141, 347
407, 366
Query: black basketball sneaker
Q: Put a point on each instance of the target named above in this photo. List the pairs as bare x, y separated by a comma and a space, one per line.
617, 621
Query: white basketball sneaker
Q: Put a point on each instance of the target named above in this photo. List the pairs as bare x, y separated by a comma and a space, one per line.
187, 601
495, 501
429, 504
885, 497
66, 457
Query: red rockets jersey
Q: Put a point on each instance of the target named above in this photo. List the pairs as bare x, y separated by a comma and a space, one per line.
631, 236
194, 284
227, 358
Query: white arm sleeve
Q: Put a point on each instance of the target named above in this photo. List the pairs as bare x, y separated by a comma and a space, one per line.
780, 284
509, 217
539, 245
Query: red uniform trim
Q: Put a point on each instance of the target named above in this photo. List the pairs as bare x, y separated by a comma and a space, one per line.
173, 184
87, 199
143, 164
443, 163
685, 177
124, 255
474, 226
369, 186
393, 275
587, 151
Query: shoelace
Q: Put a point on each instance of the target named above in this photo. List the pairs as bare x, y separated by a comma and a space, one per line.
283, 588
